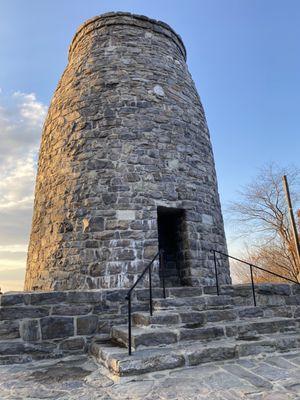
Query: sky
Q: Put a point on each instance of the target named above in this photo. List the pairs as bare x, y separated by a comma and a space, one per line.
244, 56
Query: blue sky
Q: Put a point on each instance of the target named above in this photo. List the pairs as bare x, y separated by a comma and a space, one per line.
244, 56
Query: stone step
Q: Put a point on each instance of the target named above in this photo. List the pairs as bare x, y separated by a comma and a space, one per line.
171, 292
117, 361
250, 329
196, 303
186, 315
26, 357
17, 351
184, 291
156, 335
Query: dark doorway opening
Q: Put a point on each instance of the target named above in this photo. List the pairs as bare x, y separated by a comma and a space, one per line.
171, 224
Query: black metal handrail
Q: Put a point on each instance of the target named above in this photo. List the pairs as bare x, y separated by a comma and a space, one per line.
159, 254
251, 266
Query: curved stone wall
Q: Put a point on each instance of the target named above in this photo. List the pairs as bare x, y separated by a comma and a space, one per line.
125, 134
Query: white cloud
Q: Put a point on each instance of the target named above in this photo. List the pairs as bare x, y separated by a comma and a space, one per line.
21, 120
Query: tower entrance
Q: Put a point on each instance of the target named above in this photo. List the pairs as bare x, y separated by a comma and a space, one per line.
171, 230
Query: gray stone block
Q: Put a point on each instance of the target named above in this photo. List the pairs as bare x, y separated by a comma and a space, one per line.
14, 299
117, 295
11, 347
72, 344
201, 333
144, 337
9, 330
72, 309
57, 327
88, 297
253, 348
87, 325
47, 298
293, 300
11, 313
204, 355
154, 362
251, 312
184, 292
143, 295
30, 330
285, 343
157, 319
192, 317
220, 315
295, 290
269, 289
297, 312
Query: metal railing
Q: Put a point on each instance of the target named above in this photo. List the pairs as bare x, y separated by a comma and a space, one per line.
251, 266
160, 254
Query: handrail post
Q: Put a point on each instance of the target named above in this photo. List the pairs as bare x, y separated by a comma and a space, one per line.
150, 291
162, 266
252, 282
216, 273
129, 324
128, 296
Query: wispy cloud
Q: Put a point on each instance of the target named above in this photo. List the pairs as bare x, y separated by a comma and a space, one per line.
21, 120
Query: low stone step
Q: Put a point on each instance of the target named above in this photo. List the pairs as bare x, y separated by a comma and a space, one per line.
241, 329
165, 317
172, 292
156, 335
144, 336
184, 291
17, 351
196, 303
27, 357
118, 362
187, 315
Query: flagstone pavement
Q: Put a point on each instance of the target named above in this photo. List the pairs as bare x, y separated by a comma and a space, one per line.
268, 377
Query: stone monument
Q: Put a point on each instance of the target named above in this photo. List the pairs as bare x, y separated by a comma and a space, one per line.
126, 165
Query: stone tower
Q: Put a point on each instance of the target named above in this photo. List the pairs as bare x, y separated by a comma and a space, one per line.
126, 165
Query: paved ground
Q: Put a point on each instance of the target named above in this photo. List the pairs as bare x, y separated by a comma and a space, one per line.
275, 377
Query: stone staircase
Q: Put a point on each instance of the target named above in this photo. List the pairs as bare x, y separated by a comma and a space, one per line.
191, 326
194, 326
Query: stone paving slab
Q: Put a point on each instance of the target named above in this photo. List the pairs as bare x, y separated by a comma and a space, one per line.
264, 377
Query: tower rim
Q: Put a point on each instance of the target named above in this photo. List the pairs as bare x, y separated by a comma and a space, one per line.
126, 18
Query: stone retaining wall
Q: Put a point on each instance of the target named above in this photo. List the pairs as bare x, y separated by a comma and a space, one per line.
267, 294
63, 320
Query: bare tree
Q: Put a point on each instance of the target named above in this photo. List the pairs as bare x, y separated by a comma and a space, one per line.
262, 216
